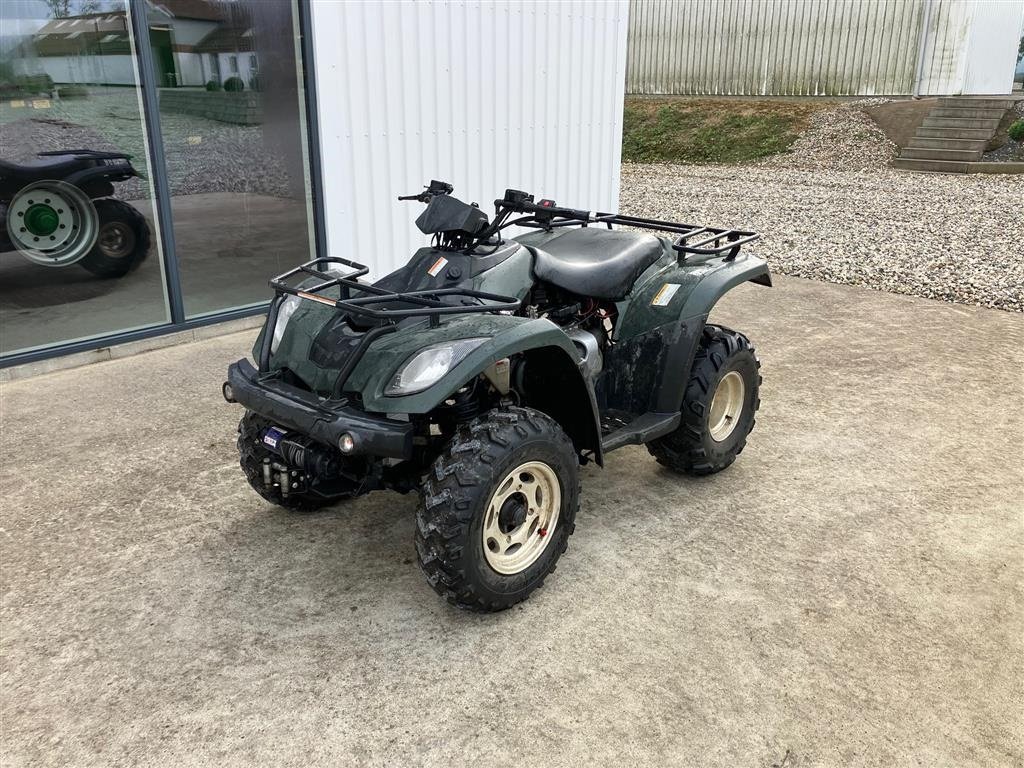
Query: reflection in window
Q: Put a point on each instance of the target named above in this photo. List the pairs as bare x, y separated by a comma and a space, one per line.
78, 254
232, 119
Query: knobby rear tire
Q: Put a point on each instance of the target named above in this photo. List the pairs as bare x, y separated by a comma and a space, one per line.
112, 211
690, 449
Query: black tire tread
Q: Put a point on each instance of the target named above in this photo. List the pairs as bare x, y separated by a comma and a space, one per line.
445, 511
682, 450
102, 266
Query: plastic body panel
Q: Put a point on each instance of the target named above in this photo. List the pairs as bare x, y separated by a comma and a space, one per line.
659, 328
657, 333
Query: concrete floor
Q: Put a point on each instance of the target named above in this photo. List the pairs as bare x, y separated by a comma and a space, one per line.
850, 592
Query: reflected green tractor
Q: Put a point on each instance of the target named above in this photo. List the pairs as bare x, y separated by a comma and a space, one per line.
57, 211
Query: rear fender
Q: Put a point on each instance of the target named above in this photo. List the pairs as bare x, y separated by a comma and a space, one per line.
100, 175
694, 317
665, 315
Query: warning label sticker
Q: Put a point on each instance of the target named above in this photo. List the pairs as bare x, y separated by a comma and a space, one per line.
664, 295
436, 268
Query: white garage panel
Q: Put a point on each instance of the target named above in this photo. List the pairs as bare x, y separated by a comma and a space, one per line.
483, 95
822, 47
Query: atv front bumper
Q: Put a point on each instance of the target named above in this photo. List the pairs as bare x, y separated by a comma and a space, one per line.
324, 420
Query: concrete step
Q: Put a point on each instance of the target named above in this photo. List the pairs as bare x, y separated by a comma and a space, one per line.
968, 112
954, 133
953, 122
976, 102
956, 166
928, 142
940, 154
936, 166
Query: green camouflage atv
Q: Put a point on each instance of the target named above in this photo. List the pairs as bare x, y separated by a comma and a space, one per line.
489, 368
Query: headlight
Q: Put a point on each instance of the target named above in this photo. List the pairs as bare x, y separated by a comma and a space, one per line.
427, 366
284, 314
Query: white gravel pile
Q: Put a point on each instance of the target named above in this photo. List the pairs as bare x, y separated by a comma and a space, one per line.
833, 210
954, 238
844, 138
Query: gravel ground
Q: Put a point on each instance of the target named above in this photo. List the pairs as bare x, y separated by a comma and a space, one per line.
844, 138
202, 155
833, 210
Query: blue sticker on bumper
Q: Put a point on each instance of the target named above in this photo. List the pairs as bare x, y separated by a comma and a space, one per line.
272, 436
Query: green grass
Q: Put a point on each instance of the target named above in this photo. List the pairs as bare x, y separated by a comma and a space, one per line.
711, 131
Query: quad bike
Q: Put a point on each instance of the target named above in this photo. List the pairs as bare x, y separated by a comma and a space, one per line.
488, 369
57, 211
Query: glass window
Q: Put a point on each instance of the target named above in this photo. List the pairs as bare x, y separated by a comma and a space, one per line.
236, 150
79, 252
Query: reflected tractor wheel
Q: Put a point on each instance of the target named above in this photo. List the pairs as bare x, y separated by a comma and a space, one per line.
122, 241
52, 223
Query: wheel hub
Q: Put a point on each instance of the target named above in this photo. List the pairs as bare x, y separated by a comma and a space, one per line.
513, 513
726, 406
41, 219
520, 517
116, 240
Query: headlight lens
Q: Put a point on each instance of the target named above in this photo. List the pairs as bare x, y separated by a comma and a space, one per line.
284, 314
427, 366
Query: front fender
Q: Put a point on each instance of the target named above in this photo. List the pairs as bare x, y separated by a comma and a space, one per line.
559, 387
506, 335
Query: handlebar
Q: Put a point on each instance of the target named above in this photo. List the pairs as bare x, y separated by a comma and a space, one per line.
545, 209
436, 188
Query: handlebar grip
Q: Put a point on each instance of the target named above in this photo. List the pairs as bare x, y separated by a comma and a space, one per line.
523, 207
409, 197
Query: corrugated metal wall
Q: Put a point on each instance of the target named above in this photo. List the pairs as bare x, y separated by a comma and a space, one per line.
818, 47
484, 95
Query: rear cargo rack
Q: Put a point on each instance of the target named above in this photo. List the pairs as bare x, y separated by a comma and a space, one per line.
693, 239
427, 303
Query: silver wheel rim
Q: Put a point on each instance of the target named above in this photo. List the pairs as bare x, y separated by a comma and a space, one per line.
116, 240
726, 406
521, 517
77, 223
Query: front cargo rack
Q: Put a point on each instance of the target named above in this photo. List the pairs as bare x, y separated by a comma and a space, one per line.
426, 303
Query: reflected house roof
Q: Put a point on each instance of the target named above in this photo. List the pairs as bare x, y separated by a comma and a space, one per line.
201, 10
92, 33
107, 33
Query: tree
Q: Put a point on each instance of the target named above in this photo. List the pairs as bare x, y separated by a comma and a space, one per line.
59, 9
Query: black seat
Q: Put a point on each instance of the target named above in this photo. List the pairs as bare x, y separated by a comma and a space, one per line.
601, 263
50, 167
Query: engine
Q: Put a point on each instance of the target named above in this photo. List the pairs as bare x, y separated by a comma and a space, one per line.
588, 322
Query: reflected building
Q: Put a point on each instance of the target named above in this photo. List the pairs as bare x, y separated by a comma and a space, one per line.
230, 186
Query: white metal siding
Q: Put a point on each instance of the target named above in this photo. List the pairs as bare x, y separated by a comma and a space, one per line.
822, 47
992, 46
484, 95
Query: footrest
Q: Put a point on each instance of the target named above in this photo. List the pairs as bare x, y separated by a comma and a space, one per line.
642, 429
